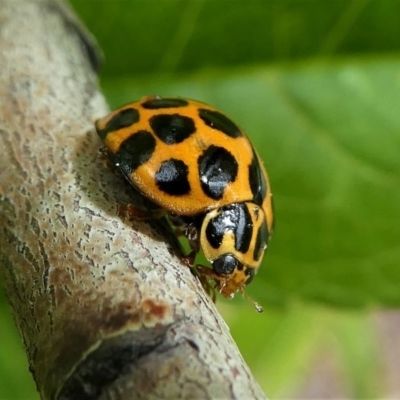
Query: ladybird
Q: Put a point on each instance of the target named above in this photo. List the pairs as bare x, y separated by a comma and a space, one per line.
197, 166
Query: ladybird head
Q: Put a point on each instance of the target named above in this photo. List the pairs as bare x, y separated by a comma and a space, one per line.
231, 274
233, 239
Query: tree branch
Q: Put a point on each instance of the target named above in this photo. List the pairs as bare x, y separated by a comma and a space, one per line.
105, 307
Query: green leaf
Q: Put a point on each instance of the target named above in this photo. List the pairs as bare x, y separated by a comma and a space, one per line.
278, 344
357, 352
327, 130
302, 344
329, 135
171, 36
16, 382
313, 86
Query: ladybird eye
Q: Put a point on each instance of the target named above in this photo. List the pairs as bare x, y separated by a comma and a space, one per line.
225, 265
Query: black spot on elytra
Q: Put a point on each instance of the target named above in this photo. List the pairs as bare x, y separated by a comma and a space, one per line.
258, 185
217, 168
134, 151
261, 241
159, 102
232, 218
123, 119
219, 121
172, 177
172, 128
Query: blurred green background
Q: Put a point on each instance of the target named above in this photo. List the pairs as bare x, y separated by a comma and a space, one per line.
316, 85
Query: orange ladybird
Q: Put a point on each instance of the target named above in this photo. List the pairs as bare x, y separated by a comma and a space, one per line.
197, 165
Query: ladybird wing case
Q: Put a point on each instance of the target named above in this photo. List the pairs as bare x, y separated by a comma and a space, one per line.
262, 192
184, 155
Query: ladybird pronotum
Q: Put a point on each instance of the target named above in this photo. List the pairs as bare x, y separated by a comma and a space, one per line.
194, 163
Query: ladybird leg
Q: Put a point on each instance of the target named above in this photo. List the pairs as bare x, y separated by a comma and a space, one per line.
179, 225
189, 259
206, 274
193, 238
103, 156
131, 211
207, 286
179, 231
206, 271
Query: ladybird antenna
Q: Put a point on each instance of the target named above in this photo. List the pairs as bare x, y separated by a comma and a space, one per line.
256, 305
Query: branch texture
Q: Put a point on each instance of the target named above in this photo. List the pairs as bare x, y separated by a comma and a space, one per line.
105, 307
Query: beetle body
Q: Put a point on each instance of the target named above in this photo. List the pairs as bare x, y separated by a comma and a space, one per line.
196, 164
